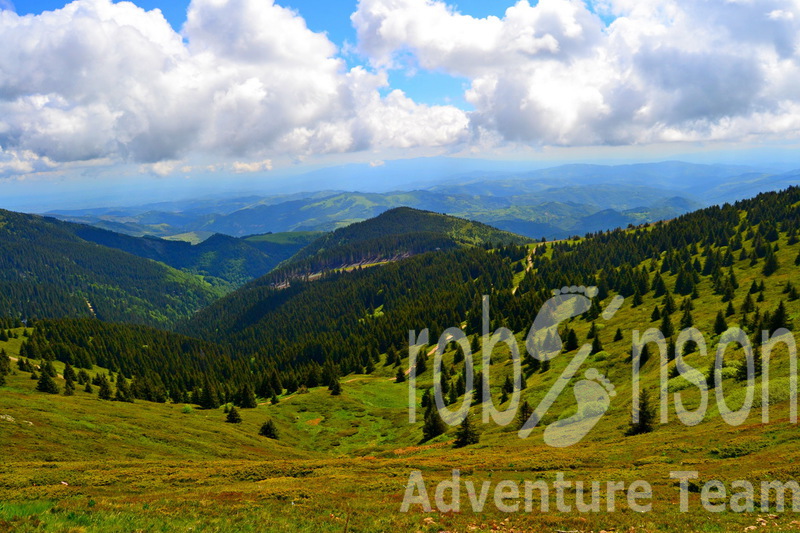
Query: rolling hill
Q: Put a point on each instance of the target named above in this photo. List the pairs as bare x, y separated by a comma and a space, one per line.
46, 270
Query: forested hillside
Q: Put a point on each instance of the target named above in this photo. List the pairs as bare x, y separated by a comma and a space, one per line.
713, 268
47, 271
395, 234
221, 259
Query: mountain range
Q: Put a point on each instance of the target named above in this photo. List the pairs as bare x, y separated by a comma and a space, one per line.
552, 203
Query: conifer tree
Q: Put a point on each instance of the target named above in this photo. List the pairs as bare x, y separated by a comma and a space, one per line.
400, 377
770, 263
466, 434
592, 332
656, 315
246, 398
647, 416
524, 413
571, 343
618, 335
686, 320
233, 416
720, 325
104, 392
335, 388
69, 373
47, 384
208, 396
69, 387
268, 430
433, 425
123, 390
666, 326
597, 346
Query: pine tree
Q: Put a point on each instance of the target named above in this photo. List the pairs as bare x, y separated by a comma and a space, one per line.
618, 335
572, 341
69, 387
400, 377
274, 400
647, 416
686, 320
433, 425
246, 398
123, 390
88, 387
669, 304
597, 346
730, 310
47, 384
233, 416
104, 392
69, 373
770, 264
269, 430
779, 319
335, 388
666, 326
466, 434
656, 316
524, 413
720, 325
208, 396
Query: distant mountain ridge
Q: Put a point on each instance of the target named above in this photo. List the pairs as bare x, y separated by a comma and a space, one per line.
554, 202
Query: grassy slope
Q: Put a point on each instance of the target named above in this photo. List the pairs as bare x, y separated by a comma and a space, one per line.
350, 456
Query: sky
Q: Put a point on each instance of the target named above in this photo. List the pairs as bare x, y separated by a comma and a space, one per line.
96, 94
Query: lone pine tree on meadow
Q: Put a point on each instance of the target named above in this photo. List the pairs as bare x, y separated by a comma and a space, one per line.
268, 430
646, 416
233, 416
466, 434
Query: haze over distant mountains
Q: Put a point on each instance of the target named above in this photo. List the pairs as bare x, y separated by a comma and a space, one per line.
552, 203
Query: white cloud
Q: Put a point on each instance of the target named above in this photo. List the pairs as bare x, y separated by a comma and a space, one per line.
554, 74
255, 166
246, 78
22, 162
162, 168
247, 82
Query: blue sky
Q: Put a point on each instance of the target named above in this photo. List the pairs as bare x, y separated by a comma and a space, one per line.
105, 95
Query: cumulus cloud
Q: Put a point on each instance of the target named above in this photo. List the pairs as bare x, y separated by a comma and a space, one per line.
245, 78
255, 166
246, 82
555, 74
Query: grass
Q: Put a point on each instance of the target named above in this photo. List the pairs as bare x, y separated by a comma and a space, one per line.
342, 463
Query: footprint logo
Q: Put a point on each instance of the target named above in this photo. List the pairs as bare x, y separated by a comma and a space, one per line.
543, 341
593, 396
